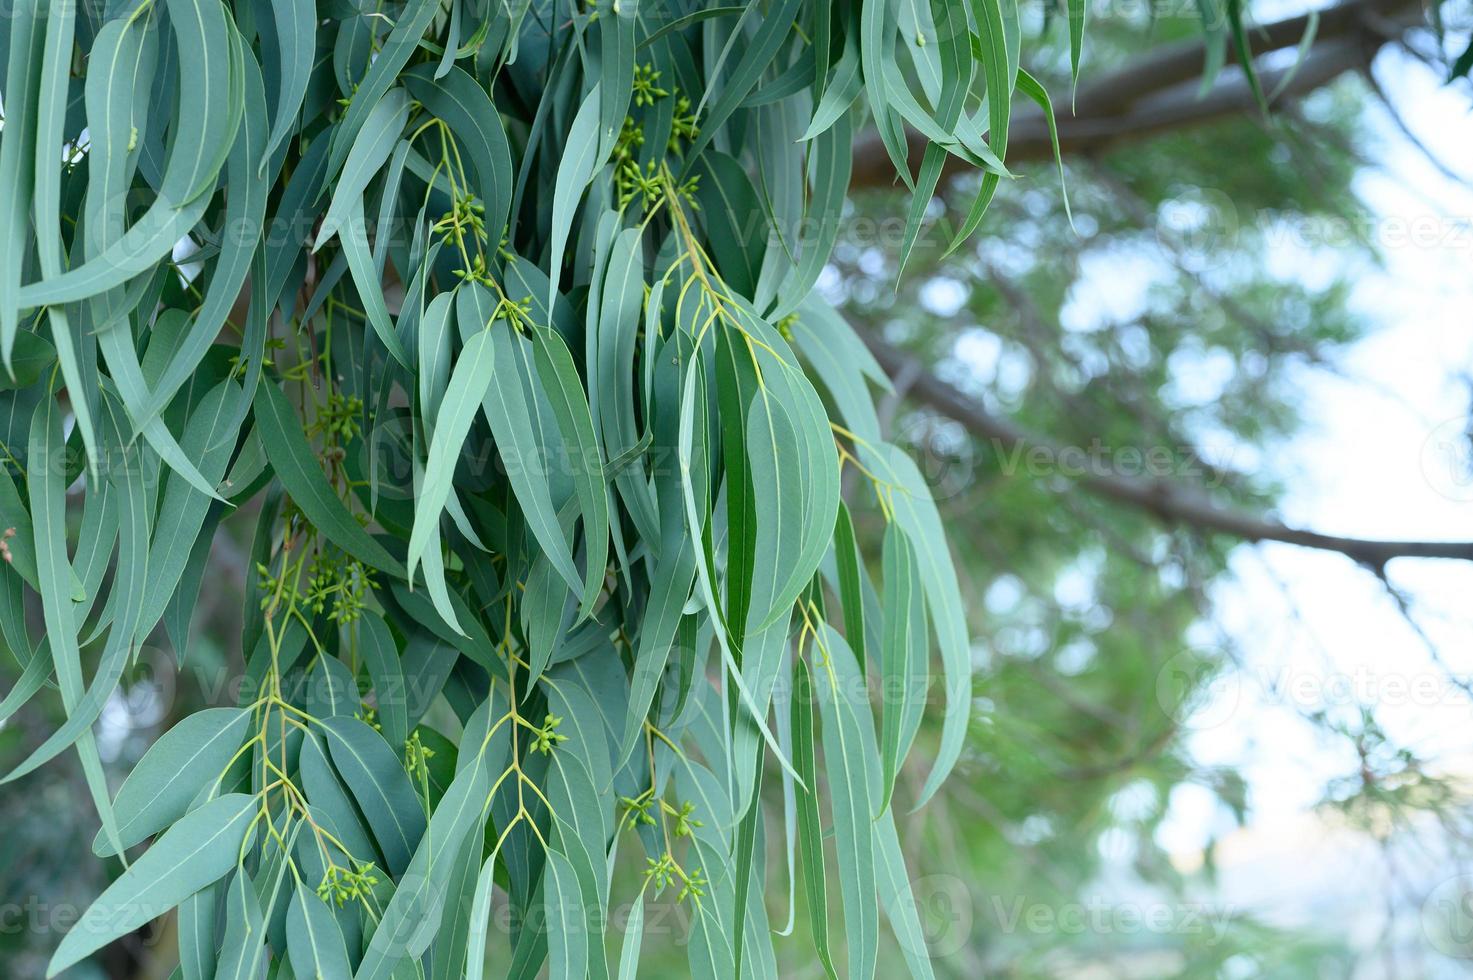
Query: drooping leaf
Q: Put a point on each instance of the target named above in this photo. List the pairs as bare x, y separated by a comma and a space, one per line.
844, 710
197, 850
380, 786
54, 578
904, 671
314, 940
171, 773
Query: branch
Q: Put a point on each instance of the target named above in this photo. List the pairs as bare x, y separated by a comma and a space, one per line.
1171, 503
1159, 91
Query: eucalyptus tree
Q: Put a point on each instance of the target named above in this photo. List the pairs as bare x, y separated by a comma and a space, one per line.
501, 316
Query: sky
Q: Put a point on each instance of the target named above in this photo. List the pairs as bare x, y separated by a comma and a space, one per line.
1381, 454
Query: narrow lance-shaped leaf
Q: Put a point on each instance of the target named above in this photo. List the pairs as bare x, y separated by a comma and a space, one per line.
810, 823
916, 514
314, 940
904, 670
50, 119
202, 847
46, 466
408, 923
300, 473
171, 773
844, 709
559, 377
470, 380
130, 578
27, 36
296, 28
579, 163
380, 786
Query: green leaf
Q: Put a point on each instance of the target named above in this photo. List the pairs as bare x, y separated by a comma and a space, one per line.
467, 109
844, 708
331, 800
612, 360
851, 592
353, 237
830, 162
30, 357
904, 671
245, 931
633, 939
1077, 11
1034, 89
898, 899
44, 462
916, 514
743, 854
475, 963
566, 932
209, 110
990, 22
408, 923
954, 45
292, 459
295, 35
382, 656
559, 377
516, 420
382, 788
694, 17
22, 92
50, 124
705, 575
386, 65
616, 81
197, 920
773, 29
314, 940
840, 92
171, 773
127, 373
245, 213
209, 440
1238, 31
331, 689
371, 148
470, 383
434, 355
580, 161
795, 477
810, 824
201, 848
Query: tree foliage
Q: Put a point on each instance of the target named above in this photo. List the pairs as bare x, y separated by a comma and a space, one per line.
500, 317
